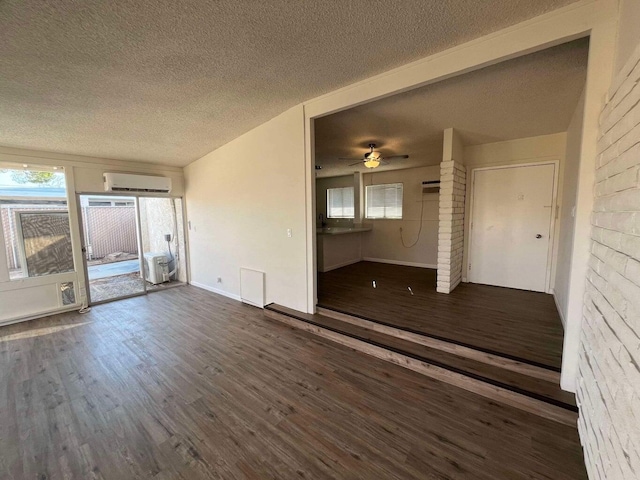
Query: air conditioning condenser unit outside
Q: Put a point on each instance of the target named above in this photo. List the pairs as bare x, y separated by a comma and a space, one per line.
156, 268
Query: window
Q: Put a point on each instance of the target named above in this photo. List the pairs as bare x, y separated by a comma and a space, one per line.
340, 202
35, 222
384, 201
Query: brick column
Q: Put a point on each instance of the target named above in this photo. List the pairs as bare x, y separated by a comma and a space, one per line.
608, 387
453, 179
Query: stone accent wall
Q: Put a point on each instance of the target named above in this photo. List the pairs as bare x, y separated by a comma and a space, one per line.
609, 367
453, 180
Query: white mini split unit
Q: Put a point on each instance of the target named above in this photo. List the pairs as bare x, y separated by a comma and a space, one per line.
126, 182
156, 268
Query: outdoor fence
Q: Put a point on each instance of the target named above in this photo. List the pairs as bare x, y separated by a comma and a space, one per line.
109, 230
8, 214
106, 230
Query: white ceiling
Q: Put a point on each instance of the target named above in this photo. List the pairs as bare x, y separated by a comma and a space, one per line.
167, 81
528, 96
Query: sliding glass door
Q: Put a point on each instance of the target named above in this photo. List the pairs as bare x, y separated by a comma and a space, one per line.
111, 247
132, 245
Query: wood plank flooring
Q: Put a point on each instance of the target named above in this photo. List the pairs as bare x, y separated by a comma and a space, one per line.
535, 387
185, 384
515, 323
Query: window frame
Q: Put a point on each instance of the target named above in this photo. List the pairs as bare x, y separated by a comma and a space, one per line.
343, 207
17, 204
369, 188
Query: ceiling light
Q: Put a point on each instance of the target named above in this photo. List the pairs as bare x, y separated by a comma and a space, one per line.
372, 162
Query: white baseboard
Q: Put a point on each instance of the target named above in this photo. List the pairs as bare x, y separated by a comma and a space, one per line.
400, 262
558, 308
340, 265
216, 290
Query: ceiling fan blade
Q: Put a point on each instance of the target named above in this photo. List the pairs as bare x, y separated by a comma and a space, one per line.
350, 158
396, 157
357, 163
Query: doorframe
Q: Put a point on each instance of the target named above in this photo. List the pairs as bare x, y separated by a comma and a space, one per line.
552, 221
596, 19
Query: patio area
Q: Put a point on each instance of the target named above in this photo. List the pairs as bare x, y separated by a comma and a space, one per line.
120, 279
104, 270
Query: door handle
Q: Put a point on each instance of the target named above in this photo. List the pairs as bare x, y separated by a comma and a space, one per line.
538, 236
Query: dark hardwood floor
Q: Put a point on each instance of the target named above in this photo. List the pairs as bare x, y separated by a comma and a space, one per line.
516, 323
540, 388
185, 384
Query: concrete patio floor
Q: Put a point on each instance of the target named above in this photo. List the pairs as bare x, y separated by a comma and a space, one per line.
112, 269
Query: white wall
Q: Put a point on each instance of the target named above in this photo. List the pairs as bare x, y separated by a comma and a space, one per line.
513, 152
241, 199
32, 297
566, 222
384, 242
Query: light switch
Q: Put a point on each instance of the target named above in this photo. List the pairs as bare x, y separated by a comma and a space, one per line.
289, 232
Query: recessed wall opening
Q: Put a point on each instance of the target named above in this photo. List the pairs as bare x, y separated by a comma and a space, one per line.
494, 150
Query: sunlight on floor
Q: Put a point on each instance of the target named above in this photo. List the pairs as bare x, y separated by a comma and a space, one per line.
39, 332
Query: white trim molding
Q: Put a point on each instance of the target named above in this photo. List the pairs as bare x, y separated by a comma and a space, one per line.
400, 262
224, 293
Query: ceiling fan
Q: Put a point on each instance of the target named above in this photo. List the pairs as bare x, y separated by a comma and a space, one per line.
373, 158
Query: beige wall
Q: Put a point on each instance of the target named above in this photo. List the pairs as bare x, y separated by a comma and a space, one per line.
567, 200
241, 199
628, 31
32, 297
384, 242
513, 152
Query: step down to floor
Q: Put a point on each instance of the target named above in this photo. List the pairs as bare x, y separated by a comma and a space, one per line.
527, 387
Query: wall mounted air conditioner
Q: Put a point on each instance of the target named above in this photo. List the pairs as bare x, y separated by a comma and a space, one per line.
431, 186
126, 182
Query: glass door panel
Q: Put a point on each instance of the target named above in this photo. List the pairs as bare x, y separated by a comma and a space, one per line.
162, 234
111, 247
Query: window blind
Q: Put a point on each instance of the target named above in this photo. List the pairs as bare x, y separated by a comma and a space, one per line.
384, 201
340, 202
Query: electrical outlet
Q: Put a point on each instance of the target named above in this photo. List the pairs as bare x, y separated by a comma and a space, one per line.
289, 233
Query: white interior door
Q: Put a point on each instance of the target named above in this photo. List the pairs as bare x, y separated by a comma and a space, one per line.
511, 226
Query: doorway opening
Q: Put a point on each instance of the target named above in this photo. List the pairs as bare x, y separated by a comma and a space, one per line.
387, 269
132, 245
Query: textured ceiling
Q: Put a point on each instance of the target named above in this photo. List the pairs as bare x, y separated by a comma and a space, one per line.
167, 81
528, 96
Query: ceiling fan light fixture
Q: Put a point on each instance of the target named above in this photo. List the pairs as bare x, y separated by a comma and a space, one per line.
371, 162
372, 157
